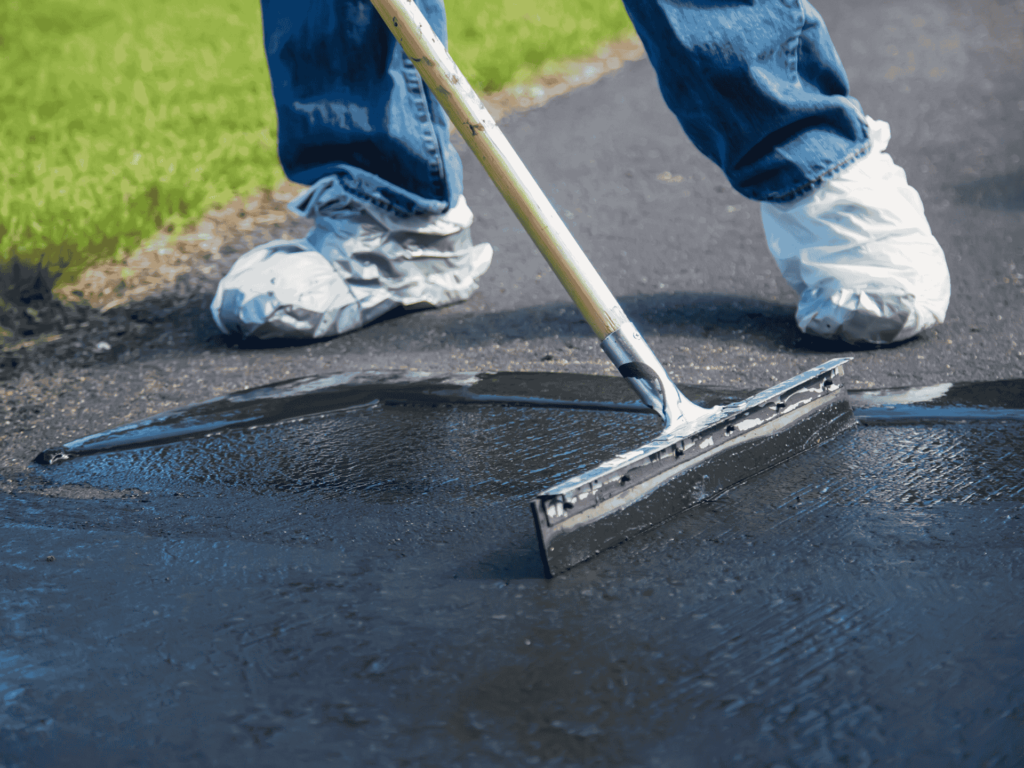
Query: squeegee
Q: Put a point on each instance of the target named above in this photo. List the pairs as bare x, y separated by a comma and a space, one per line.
701, 451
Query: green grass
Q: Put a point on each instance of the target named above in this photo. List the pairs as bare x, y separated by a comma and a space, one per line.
122, 118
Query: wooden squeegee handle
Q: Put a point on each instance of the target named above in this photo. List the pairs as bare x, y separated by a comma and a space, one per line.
471, 118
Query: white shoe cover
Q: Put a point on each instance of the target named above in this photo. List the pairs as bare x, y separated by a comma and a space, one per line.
357, 263
859, 251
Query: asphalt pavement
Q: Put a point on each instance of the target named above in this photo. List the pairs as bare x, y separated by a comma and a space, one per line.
207, 604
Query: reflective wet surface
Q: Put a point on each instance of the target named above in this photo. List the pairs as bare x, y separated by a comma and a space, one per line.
345, 571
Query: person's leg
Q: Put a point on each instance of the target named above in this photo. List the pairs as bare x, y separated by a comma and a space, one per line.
760, 90
357, 123
350, 103
859, 250
757, 87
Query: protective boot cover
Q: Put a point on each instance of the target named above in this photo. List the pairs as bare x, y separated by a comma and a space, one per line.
859, 251
357, 263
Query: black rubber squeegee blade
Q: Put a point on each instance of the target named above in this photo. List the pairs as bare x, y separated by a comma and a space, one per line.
692, 463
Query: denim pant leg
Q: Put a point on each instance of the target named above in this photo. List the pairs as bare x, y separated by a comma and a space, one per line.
757, 86
349, 102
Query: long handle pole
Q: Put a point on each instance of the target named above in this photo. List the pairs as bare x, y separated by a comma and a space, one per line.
471, 118
619, 338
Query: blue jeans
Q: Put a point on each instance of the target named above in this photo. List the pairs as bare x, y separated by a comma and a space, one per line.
756, 84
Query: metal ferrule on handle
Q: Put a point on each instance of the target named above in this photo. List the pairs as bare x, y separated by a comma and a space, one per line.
582, 282
637, 363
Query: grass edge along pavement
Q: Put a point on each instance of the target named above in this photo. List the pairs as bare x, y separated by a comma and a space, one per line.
167, 256
141, 119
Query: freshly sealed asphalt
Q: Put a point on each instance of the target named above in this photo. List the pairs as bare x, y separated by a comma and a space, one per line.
361, 586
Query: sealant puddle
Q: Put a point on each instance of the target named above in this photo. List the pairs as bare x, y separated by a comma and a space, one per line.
387, 438
318, 396
365, 457
453, 456
304, 398
971, 401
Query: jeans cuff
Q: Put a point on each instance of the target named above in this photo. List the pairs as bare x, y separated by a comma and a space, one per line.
788, 195
371, 188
